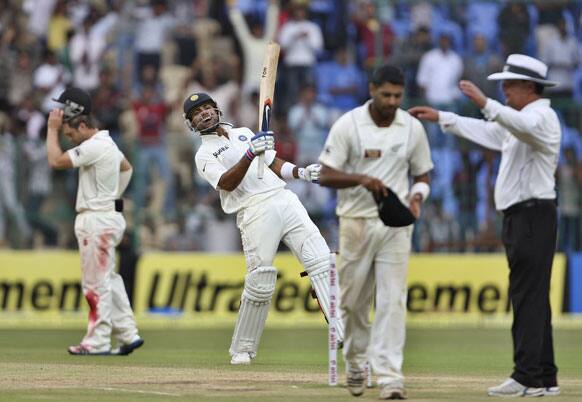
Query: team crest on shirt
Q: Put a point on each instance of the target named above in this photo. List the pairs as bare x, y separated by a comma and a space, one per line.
372, 153
243, 138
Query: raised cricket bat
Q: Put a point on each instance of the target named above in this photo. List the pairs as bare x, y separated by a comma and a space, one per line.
266, 92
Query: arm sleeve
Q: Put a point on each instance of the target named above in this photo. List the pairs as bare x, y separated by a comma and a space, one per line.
315, 38
527, 126
85, 154
239, 24
487, 134
209, 169
271, 21
422, 74
336, 149
285, 35
420, 160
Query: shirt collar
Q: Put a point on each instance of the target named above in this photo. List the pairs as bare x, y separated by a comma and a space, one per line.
542, 102
367, 117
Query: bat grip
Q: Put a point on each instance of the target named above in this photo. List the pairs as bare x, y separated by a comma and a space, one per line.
261, 166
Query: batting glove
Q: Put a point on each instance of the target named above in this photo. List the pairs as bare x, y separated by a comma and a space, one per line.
261, 142
310, 173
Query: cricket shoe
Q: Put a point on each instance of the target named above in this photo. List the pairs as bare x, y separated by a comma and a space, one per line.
82, 350
356, 382
389, 391
241, 358
511, 388
552, 391
126, 349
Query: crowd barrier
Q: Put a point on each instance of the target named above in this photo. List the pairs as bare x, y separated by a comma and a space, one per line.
42, 288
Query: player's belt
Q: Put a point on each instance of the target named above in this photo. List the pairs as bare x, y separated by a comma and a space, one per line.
528, 204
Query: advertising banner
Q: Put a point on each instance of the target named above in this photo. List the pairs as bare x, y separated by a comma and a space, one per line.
197, 289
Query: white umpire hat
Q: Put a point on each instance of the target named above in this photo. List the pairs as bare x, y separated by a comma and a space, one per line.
522, 67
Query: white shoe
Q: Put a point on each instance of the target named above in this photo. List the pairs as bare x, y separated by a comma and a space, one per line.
511, 388
241, 358
552, 391
356, 382
392, 392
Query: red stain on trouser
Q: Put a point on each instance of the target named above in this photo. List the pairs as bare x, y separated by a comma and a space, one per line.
93, 300
103, 251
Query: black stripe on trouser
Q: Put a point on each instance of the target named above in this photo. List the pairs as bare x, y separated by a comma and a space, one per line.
529, 236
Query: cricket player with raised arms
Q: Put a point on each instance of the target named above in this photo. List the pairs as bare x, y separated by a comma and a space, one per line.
266, 214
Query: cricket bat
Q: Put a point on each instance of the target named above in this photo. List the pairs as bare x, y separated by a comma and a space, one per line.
266, 92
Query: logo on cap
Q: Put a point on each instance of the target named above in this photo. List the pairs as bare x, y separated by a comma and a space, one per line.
194, 98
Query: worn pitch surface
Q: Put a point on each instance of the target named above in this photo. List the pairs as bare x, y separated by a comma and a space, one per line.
192, 365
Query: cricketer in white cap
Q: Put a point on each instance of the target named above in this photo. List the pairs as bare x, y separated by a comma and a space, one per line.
527, 133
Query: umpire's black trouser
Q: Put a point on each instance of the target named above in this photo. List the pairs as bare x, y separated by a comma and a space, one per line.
529, 236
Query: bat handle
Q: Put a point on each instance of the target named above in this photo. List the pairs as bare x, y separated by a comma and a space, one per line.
261, 166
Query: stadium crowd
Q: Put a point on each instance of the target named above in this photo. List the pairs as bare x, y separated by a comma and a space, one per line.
138, 59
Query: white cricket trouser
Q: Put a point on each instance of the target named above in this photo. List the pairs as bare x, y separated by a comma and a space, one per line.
98, 233
374, 256
279, 218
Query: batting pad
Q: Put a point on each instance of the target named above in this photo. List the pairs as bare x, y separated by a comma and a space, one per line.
254, 307
319, 277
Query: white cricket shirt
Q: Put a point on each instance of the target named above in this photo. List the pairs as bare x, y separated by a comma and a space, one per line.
529, 142
98, 160
217, 154
357, 145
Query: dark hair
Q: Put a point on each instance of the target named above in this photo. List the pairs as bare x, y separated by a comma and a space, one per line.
76, 121
387, 73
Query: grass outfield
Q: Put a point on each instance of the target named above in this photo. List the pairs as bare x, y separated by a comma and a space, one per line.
181, 365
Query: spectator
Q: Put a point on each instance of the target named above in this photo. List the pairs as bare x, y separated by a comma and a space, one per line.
562, 56
309, 122
215, 79
549, 15
106, 104
481, 63
408, 54
465, 188
253, 40
341, 85
86, 51
10, 206
301, 40
151, 32
570, 190
20, 79
439, 72
59, 26
370, 30
50, 79
39, 178
514, 28
150, 113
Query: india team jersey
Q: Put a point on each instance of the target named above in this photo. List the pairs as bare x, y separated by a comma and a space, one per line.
98, 160
217, 154
357, 145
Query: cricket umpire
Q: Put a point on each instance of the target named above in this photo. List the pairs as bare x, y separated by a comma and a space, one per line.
104, 174
369, 149
527, 133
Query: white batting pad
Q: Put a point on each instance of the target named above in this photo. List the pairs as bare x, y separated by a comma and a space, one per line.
315, 255
320, 283
254, 307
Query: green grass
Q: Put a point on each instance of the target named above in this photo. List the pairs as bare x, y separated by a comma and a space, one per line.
192, 365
